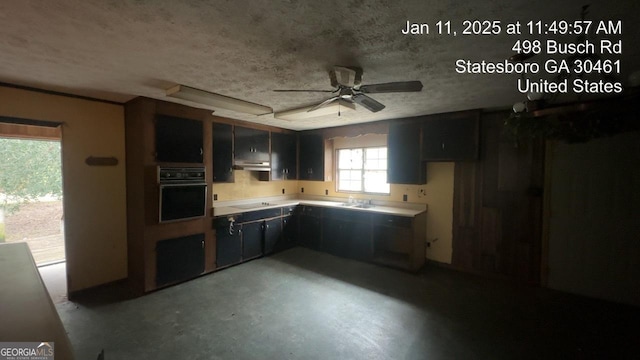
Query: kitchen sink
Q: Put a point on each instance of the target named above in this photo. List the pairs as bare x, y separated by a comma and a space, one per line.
364, 206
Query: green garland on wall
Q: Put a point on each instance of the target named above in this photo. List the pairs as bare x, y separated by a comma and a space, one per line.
575, 126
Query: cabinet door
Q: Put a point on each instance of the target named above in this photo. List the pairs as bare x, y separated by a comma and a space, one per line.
405, 165
359, 241
451, 137
311, 157
289, 232
309, 232
252, 240
335, 237
272, 235
179, 259
251, 144
228, 246
222, 153
283, 156
178, 140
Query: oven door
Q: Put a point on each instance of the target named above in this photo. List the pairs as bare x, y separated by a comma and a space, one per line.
182, 201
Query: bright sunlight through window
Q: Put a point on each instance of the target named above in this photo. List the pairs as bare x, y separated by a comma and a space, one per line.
363, 170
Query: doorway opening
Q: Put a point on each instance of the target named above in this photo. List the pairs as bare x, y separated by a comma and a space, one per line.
31, 196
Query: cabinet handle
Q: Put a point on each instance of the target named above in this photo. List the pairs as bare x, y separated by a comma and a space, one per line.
203, 244
201, 151
442, 146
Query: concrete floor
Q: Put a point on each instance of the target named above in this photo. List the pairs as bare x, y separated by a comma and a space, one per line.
301, 304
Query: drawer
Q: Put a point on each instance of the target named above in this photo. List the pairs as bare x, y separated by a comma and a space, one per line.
261, 214
392, 220
309, 210
223, 221
347, 215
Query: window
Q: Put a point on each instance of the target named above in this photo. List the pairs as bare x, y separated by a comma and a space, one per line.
363, 170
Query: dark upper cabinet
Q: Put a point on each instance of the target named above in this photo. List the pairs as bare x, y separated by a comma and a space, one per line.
283, 156
251, 144
222, 153
451, 137
405, 165
179, 259
311, 157
178, 140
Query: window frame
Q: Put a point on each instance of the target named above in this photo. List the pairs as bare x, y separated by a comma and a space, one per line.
363, 148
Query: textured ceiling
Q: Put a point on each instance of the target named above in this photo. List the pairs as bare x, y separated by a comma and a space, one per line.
117, 50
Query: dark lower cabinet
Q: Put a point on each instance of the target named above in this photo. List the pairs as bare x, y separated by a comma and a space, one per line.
228, 245
273, 235
310, 228
289, 233
179, 259
251, 240
360, 245
347, 233
335, 237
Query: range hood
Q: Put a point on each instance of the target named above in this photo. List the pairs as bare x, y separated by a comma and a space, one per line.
251, 165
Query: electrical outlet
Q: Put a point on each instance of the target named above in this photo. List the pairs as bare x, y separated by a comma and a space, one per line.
215, 197
404, 197
301, 190
283, 191
326, 192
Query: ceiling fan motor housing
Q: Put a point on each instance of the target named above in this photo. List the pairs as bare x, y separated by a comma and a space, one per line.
349, 76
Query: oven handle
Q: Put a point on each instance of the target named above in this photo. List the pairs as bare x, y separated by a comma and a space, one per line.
182, 184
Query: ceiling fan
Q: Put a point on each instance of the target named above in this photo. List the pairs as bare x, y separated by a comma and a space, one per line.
347, 84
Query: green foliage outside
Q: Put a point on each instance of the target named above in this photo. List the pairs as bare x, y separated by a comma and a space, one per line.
28, 169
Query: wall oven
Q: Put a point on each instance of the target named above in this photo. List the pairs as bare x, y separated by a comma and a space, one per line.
183, 193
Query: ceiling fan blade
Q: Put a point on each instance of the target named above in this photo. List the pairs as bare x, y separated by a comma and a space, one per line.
401, 86
288, 90
369, 103
326, 102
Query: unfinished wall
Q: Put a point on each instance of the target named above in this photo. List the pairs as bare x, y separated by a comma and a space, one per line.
594, 226
94, 196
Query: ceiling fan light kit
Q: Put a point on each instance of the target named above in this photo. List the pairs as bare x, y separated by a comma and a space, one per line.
217, 100
307, 112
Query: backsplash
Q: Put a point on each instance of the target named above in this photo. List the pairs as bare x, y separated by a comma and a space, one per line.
247, 186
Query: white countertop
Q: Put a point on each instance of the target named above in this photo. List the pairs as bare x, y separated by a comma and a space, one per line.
230, 207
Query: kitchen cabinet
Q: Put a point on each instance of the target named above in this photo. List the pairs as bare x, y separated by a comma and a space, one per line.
283, 156
451, 137
347, 233
178, 140
228, 243
179, 259
399, 241
405, 165
222, 153
251, 144
251, 234
289, 233
313, 159
272, 235
310, 227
